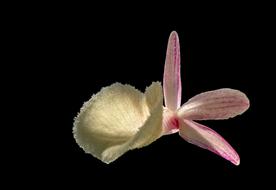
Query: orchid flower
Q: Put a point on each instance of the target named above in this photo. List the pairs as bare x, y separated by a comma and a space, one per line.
121, 118
218, 104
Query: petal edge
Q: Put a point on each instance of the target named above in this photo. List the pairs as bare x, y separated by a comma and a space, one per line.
207, 138
172, 79
217, 104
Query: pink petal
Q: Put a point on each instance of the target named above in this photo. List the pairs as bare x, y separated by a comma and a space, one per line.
172, 80
206, 138
218, 104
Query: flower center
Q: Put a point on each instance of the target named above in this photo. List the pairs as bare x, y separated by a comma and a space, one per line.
174, 122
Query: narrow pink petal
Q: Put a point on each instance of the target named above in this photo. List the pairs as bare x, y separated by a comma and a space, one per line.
172, 80
206, 138
170, 122
218, 104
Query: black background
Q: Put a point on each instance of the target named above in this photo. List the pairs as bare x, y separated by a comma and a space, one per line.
68, 53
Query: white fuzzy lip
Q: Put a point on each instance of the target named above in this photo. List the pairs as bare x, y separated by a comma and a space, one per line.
119, 118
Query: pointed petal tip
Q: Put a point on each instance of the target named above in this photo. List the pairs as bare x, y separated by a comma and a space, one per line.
174, 33
238, 162
234, 160
174, 36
